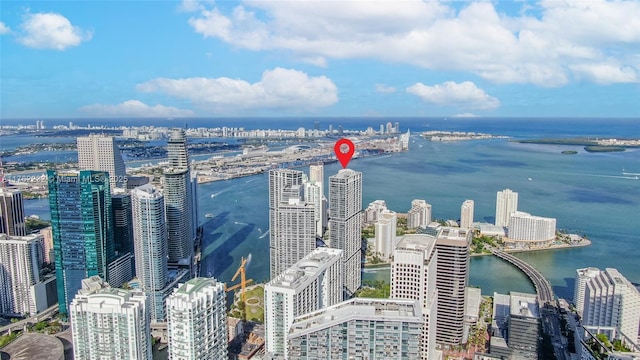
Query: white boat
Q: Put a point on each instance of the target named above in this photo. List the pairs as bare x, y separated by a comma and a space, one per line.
209, 215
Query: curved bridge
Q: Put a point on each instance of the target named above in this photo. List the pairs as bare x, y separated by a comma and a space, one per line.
542, 285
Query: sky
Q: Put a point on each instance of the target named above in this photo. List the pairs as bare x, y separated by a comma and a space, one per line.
129, 59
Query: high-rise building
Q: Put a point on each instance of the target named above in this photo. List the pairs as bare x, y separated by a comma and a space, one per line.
506, 203
359, 329
372, 212
80, 203
110, 323
611, 301
527, 231
466, 214
101, 153
385, 233
180, 198
419, 214
313, 283
316, 177
524, 325
413, 276
291, 220
21, 289
197, 320
583, 276
345, 224
122, 221
150, 243
452, 278
47, 245
12, 213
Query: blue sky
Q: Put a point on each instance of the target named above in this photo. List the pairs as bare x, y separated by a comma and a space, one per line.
78, 59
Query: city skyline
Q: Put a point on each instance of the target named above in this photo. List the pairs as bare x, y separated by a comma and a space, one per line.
373, 59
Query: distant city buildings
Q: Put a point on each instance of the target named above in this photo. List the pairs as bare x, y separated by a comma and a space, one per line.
23, 290
12, 212
419, 214
109, 323
197, 320
345, 224
466, 214
413, 276
359, 329
80, 203
506, 204
101, 153
313, 283
452, 277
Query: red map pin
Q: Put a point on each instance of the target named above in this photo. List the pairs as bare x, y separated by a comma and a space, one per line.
344, 150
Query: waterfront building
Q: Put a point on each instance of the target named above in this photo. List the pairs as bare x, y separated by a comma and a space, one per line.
466, 214
292, 220
345, 224
527, 231
180, 198
22, 288
452, 278
80, 203
110, 323
101, 153
359, 329
610, 301
150, 244
197, 320
372, 211
313, 283
506, 203
12, 212
419, 214
385, 234
583, 276
413, 276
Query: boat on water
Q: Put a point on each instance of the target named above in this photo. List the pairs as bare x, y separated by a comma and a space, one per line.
209, 215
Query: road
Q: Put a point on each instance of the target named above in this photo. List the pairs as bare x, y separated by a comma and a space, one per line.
45, 315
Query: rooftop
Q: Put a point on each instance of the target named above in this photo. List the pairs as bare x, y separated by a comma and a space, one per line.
417, 242
524, 305
306, 268
35, 346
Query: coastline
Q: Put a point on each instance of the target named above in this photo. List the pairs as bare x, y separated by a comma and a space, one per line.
583, 243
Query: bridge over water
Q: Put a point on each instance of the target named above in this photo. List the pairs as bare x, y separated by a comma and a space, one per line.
542, 285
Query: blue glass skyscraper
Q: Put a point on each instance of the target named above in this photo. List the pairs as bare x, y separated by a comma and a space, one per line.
82, 227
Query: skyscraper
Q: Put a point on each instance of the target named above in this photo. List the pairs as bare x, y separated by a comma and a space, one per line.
80, 203
314, 194
20, 264
413, 276
110, 323
385, 234
355, 329
583, 276
313, 283
180, 202
345, 224
150, 243
122, 221
419, 214
197, 321
506, 203
466, 214
12, 213
101, 153
291, 220
452, 277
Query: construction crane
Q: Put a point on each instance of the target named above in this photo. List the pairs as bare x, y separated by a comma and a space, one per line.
243, 281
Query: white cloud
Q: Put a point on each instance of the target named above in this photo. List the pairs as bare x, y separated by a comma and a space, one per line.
51, 31
464, 95
135, 108
606, 73
4, 29
385, 89
465, 115
278, 88
518, 48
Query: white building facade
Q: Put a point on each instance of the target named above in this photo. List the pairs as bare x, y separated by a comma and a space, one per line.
466, 214
313, 283
526, 230
385, 232
419, 214
109, 323
100, 152
197, 321
506, 203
